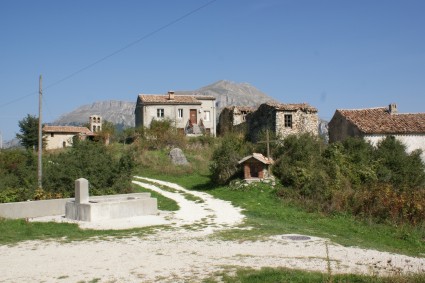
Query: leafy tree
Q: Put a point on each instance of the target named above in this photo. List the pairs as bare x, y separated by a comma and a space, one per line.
396, 166
300, 165
91, 160
162, 134
29, 132
224, 163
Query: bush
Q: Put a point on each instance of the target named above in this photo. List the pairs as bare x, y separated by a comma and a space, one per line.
92, 161
224, 164
162, 134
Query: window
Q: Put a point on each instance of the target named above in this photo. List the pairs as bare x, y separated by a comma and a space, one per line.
180, 113
206, 115
288, 121
160, 112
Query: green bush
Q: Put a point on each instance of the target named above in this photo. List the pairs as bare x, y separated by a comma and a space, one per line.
93, 161
224, 164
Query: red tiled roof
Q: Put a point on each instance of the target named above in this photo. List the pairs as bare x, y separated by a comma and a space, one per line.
381, 121
293, 107
164, 99
67, 129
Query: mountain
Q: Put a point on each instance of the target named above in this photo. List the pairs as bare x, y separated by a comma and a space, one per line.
117, 112
227, 93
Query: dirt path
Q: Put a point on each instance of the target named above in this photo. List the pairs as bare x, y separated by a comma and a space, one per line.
182, 254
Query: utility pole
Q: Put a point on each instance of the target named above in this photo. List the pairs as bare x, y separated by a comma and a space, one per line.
40, 136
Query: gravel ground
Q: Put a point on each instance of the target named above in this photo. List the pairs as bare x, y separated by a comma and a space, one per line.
181, 254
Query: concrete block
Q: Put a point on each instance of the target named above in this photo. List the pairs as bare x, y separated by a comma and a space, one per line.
81, 190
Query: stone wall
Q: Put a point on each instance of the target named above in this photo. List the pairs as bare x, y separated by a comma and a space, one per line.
272, 118
302, 122
339, 128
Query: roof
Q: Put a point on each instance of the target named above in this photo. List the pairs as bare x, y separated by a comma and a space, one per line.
292, 107
381, 121
204, 97
240, 108
259, 157
67, 129
164, 99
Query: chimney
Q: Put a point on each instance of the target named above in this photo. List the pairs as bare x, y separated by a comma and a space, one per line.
392, 108
171, 95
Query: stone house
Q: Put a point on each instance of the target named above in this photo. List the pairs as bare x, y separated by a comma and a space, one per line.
233, 118
256, 167
374, 124
63, 136
283, 120
191, 114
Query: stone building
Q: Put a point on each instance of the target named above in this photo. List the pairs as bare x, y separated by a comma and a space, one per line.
191, 114
95, 123
63, 136
283, 120
374, 124
232, 118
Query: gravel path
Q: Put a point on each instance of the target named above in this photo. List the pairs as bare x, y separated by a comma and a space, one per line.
181, 254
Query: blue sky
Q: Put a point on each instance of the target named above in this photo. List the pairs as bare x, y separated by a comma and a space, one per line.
329, 53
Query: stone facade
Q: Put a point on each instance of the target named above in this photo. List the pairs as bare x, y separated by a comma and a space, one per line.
188, 113
233, 119
63, 136
283, 120
374, 124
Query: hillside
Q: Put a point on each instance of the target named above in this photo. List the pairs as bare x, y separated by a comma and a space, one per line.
122, 112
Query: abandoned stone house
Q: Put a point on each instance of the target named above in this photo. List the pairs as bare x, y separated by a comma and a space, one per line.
283, 120
374, 124
63, 136
256, 167
233, 118
191, 114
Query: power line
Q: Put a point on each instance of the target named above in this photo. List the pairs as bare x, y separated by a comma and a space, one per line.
115, 52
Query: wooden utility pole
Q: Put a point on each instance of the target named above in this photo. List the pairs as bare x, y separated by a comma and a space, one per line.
40, 136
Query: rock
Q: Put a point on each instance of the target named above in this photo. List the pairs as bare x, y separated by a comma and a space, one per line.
177, 157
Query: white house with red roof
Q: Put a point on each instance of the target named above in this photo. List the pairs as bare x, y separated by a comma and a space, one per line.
374, 124
191, 114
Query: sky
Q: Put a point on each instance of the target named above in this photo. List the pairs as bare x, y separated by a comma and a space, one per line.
332, 54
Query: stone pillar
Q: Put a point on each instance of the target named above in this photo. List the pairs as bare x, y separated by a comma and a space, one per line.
81, 190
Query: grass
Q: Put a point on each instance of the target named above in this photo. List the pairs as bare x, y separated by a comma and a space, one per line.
294, 276
163, 202
269, 215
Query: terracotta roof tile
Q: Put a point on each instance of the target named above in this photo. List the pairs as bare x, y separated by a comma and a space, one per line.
164, 99
66, 129
381, 121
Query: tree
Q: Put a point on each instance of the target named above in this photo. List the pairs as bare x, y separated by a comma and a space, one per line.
224, 163
29, 132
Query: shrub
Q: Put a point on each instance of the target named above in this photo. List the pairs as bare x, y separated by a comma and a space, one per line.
224, 164
93, 161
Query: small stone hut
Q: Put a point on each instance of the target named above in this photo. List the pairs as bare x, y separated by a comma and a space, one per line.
256, 167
